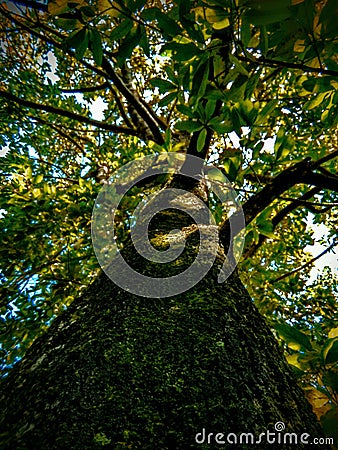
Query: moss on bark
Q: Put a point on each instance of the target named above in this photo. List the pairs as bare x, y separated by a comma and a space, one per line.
120, 371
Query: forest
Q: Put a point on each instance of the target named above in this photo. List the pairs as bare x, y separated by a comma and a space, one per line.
168, 172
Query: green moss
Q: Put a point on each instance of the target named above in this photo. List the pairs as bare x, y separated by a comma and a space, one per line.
121, 371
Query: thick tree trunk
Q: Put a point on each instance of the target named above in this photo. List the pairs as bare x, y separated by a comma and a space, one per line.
123, 371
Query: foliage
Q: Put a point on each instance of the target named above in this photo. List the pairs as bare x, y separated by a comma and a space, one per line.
247, 72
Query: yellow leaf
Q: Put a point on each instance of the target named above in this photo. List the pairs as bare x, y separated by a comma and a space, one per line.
56, 7
296, 2
222, 24
293, 360
333, 333
113, 9
299, 46
316, 398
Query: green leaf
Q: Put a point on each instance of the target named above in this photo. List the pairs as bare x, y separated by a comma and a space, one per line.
293, 337
167, 99
96, 45
220, 127
79, 41
144, 41
239, 66
67, 24
330, 351
184, 109
329, 423
236, 121
201, 139
38, 178
266, 228
128, 44
262, 12
189, 125
121, 30
210, 109
181, 52
167, 25
266, 111
163, 85
57, 7
200, 80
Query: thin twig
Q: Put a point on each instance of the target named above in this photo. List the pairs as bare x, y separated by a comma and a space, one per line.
286, 275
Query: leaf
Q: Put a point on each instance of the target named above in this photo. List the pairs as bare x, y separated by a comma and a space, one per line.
200, 80
216, 15
121, 30
330, 351
181, 52
330, 378
164, 86
96, 45
329, 423
56, 7
128, 44
266, 111
79, 41
67, 24
168, 26
265, 12
110, 7
293, 337
201, 139
210, 108
333, 332
266, 229
167, 99
184, 109
239, 66
189, 125
315, 101
38, 178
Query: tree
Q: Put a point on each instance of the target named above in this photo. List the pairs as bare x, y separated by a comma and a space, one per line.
102, 366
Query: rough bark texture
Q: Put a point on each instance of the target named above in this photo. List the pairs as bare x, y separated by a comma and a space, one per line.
121, 371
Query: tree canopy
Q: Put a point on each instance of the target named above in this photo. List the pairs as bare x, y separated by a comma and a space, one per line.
249, 85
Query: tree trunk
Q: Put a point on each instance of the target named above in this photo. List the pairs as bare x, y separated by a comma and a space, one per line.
123, 371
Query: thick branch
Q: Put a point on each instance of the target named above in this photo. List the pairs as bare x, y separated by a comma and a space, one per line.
69, 114
279, 217
274, 189
323, 181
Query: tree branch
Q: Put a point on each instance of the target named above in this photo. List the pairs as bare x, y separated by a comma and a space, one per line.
133, 101
108, 72
279, 217
274, 189
323, 181
274, 63
326, 158
69, 114
298, 269
60, 132
83, 90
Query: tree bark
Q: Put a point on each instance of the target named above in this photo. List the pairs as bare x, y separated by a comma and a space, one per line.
123, 371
